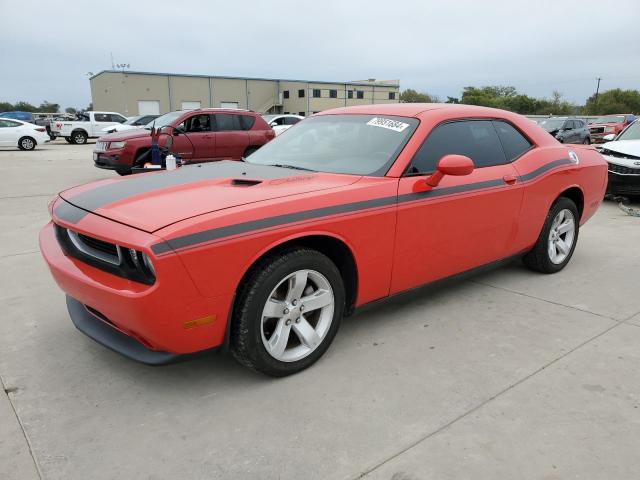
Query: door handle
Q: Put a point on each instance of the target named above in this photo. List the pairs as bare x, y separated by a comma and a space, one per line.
510, 179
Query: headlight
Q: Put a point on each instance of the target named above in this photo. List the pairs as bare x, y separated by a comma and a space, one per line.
117, 144
142, 263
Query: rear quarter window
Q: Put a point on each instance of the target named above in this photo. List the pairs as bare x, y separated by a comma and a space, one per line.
247, 121
513, 142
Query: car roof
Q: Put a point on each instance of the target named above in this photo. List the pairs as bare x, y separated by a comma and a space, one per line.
14, 120
418, 110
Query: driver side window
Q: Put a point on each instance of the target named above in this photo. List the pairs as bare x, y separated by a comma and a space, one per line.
197, 123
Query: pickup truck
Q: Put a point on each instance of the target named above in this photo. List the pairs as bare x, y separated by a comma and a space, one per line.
607, 125
87, 125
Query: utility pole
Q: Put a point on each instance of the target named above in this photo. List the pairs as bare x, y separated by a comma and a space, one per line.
595, 102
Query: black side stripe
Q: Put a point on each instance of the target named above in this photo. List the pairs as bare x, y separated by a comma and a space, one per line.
263, 223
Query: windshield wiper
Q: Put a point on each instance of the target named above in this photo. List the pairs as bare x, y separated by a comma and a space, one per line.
295, 167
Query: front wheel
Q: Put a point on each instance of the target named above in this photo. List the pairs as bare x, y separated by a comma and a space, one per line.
287, 312
557, 240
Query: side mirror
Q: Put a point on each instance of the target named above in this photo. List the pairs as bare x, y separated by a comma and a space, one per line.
273, 124
609, 137
455, 165
177, 131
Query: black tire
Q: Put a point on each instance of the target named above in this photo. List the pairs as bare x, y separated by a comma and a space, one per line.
538, 258
27, 143
79, 137
249, 151
124, 172
587, 141
246, 329
69, 140
52, 137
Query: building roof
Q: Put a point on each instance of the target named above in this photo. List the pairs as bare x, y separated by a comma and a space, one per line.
382, 83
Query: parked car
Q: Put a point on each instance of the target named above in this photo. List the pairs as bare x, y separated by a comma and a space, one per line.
609, 124
87, 125
623, 159
197, 136
132, 123
265, 256
22, 116
280, 123
24, 135
567, 130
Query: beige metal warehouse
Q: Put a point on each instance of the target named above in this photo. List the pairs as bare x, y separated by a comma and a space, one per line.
137, 93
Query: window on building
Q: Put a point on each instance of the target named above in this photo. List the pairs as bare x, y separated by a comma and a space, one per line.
285, 94
476, 139
392, 95
316, 93
350, 94
513, 142
227, 121
301, 114
301, 93
360, 94
333, 93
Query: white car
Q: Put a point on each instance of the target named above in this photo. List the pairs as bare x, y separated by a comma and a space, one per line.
87, 125
623, 159
24, 135
280, 123
131, 124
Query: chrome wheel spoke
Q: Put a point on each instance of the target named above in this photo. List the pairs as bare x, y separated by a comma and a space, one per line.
297, 284
319, 299
274, 308
306, 333
552, 251
565, 227
562, 246
279, 338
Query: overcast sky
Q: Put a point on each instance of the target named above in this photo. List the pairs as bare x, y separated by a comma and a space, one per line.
437, 47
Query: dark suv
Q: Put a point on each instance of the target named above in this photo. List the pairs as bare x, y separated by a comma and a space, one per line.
567, 130
198, 136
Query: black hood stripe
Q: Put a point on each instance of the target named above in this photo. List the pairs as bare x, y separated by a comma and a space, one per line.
140, 184
205, 236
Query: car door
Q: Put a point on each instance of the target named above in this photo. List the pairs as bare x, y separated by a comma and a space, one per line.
194, 139
231, 139
464, 222
9, 133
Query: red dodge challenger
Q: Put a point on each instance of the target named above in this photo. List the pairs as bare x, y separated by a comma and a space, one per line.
264, 257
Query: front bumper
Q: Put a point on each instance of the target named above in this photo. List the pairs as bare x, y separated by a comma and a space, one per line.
623, 184
162, 320
108, 161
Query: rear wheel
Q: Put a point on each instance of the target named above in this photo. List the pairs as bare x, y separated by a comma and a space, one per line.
69, 140
557, 240
26, 143
79, 137
287, 312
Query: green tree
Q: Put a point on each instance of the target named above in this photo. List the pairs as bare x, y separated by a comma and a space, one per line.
6, 107
89, 107
412, 96
47, 107
452, 100
71, 110
24, 107
614, 101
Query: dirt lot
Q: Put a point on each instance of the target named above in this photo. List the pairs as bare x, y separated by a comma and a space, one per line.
504, 375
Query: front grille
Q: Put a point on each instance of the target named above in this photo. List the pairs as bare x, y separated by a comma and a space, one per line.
101, 146
624, 156
596, 129
621, 170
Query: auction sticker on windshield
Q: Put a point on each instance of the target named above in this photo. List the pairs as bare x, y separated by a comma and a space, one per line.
388, 124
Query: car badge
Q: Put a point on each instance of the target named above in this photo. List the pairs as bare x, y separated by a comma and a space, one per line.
636, 163
573, 157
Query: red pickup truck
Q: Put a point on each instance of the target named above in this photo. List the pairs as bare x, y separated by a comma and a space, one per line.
198, 136
602, 126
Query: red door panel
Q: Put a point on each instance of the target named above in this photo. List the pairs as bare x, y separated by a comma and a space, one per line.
462, 223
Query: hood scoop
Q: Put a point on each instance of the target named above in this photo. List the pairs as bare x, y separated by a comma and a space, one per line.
244, 182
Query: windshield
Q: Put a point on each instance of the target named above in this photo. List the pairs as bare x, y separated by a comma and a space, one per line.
609, 119
164, 120
269, 118
132, 120
552, 124
352, 144
632, 132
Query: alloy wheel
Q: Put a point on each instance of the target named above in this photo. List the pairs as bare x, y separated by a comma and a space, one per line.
561, 236
297, 315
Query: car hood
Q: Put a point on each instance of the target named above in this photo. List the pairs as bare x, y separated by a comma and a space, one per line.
624, 147
591, 125
125, 135
151, 201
